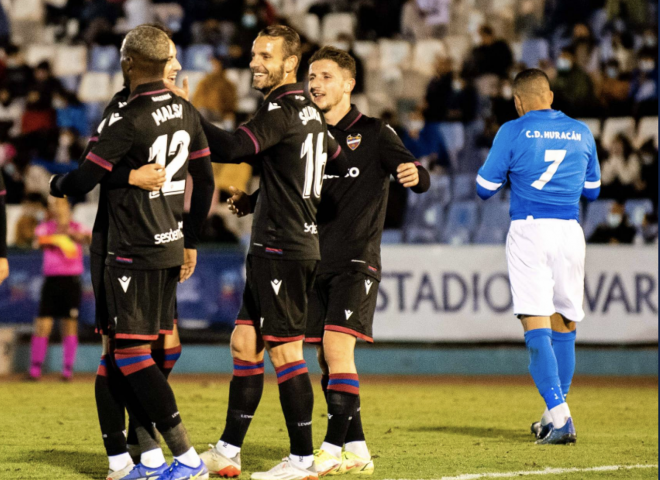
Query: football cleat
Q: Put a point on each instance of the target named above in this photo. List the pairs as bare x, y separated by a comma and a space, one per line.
560, 436
325, 463
540, 431
119, 474
179, 471
217, 463
287, 471
355, 465
140, 472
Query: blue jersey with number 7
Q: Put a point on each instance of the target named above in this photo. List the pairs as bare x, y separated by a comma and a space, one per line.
550, 160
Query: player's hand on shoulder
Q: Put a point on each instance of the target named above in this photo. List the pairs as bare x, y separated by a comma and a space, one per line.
183, 92
239, 202
189, 264
4, 269
149, 177
407, 174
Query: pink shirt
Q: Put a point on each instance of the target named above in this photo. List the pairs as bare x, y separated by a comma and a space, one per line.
55, 262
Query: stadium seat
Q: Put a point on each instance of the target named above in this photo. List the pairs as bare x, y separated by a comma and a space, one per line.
198, 58
461, 223
454, 135
335, 24
458, 46
193, 79
94, 87
104, 59
85, 214
392, 237
424, 219
616, 125
312, 27
464, 187
596, 214
70, 82
368, 53
593, 124
637, 210
117, 83
440, 189
647, 128
495, 214
425, 53
70, 60
534, 50
27, 10
242, 78
13, 214
393, 53
38, 53
95, 114
490, 235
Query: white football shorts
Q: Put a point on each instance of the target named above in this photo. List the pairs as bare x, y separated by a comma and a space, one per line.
546, 267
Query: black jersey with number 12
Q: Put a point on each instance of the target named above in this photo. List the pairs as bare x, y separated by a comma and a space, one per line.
146, 228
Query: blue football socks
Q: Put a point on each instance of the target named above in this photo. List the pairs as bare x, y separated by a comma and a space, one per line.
543, 366
564, 346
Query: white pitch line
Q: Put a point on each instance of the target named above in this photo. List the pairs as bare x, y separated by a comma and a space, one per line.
547, 471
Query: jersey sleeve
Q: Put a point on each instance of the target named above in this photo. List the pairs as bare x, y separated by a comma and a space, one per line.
591, 188
337, 163
392, 153
268, 126
492, 174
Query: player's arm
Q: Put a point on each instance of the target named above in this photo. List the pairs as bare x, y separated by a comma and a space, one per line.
4, 264
398, 161
492, 174
591, 188
114, 143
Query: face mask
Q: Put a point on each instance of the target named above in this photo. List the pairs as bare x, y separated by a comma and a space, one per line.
612, 72
416, 125
647, 66
507, 92
564, 64
40, 215
58, 103
614, 219
249, 20
650, 41
457, 85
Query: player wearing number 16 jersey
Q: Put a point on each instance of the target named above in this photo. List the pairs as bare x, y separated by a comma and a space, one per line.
551, 161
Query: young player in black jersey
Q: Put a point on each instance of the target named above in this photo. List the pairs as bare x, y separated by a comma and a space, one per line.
350, 221
289, 136
146, 232
4, 265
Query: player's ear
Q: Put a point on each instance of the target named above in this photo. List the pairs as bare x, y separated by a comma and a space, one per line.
349, 85
290, 64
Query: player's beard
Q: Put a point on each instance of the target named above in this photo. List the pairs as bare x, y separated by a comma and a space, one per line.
272, 79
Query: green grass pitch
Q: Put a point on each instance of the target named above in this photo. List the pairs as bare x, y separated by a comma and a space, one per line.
416, 428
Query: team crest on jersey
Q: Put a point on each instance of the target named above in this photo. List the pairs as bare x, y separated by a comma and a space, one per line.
353, 141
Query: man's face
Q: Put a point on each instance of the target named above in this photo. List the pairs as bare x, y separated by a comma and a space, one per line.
267, 64
173, 67
327, 84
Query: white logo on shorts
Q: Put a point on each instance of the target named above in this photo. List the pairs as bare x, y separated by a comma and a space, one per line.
262, 322
348, 314
367, 285
125, 282
276, 285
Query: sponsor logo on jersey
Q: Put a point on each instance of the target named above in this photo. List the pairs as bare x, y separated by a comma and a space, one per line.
309, 114
348, 314
273, 106
572, 135
170, 236
311, 228
367, 285
114, 118
353, 141
167, 112
353, 172
300, 98
276, 286
161, 98
124, 282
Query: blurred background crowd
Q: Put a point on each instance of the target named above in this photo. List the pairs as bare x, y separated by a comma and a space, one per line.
439, 71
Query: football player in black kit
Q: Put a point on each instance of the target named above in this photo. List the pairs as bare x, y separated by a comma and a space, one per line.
145, 246
350, 217
289, 136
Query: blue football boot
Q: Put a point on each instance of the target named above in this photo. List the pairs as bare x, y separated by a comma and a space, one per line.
141, 472
560, 436
179, 471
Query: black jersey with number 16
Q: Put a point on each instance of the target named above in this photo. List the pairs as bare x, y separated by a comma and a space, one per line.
146, 228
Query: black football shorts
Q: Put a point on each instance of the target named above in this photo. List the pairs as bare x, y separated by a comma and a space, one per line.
141, 303
342, 302
60, 297
275, 297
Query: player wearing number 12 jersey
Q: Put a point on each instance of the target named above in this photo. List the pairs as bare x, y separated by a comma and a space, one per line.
290, 138
146, 232
551, 161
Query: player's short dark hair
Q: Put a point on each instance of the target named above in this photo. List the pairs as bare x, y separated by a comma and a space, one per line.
150, 46
528, 77
291, 40
341, 57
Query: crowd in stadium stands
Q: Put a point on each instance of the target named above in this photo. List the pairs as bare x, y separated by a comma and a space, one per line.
439, 71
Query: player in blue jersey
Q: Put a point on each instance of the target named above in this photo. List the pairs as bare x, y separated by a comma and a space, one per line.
550, 160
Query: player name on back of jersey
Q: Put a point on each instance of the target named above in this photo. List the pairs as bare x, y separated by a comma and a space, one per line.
167, 112
554, 135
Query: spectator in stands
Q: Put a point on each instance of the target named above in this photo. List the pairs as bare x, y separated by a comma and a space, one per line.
634, 11
587, 53
620, 171
97, 19
502, 105
573, 88
616, 229
413, 26
71, 113
426, 143
437, 14
648, 233
439, 90
4, 27
44, 87
648, 184
69, 147
644, 86
615, 90
307, 48
11, 111
18, 76
491, 56
216, 96
33, 211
